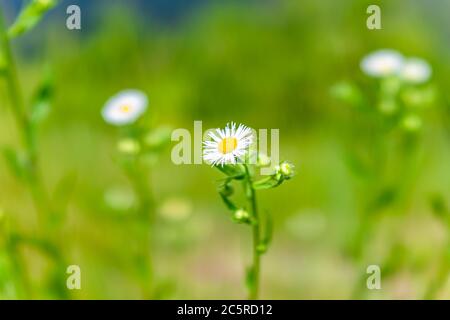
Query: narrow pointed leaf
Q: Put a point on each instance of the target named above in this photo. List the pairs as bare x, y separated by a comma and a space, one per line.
267, 233
42, 99
30, 16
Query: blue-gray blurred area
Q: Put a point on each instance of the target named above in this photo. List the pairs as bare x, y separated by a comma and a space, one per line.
148, 15
172, 13
162, 11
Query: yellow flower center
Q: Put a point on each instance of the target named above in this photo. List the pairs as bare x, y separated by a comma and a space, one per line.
125, 108
385, 66
227, 145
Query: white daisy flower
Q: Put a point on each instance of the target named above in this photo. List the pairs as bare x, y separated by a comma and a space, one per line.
125, 107
227, 145
382, 63
416, 70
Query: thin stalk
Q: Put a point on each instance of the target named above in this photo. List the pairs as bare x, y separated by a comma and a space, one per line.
23, 124
144, 226
19, 273
441, 274
12, 80
25, 128
251, 195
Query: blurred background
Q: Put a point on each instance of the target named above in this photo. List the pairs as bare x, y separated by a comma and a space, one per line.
267, 64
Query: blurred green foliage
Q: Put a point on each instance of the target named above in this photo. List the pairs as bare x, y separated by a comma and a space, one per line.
274, 64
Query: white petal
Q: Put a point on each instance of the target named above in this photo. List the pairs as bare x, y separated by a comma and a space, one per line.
136, 101
416, 70
382, 63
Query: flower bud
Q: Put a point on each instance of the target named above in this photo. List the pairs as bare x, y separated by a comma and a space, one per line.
284, 170
226, 190
346, 92
128, 146
412, 123
387, 106
263, 160
241, 216
158, 137
261, 248
119, 198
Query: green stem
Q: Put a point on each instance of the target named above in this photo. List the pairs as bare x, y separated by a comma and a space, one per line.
12, 78
251, 195
26, 131
19, 273
23, 123
441, 274
144, 226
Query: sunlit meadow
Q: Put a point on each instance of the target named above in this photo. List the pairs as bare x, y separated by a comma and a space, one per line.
87, 177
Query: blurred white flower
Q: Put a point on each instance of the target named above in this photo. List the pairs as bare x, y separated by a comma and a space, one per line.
382, 63
227, 145
125, 107
416, 70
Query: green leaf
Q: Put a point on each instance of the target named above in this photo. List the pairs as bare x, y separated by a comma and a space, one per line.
267, 183
267, 233
388, 106
225, 188
30, 16
418, 98
230, 205
45, 246
347, 92
64, 190
439, 206
17, 162
385, 198
157, 138
358, 164
41, 100
8, 289
234, 171
250, 278
390, 87
3, 63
